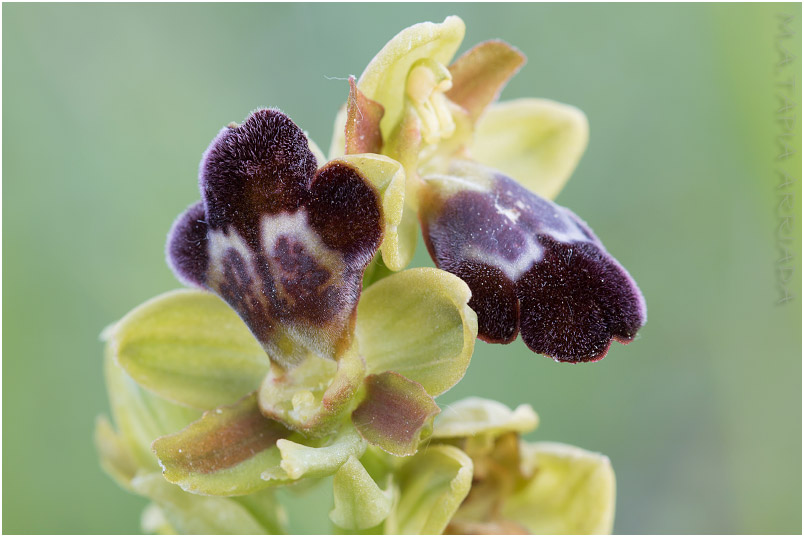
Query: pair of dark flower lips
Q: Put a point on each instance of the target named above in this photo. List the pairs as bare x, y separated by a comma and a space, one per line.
285, 244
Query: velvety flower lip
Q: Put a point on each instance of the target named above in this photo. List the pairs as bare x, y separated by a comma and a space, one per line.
533, 267
283, 244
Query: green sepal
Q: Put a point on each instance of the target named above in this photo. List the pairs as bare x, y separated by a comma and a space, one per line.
538, 142
140, 415
191, 348
225, 452
418, 323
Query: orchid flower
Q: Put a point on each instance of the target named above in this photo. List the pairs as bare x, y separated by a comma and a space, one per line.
520, 486
533, 267
294, 377
305, 350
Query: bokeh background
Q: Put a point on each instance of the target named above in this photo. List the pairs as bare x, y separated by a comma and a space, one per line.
107, 109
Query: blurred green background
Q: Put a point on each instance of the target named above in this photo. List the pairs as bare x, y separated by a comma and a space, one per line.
107, 109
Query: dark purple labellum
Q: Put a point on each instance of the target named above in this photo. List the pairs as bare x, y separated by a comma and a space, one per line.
533, 267
285, 245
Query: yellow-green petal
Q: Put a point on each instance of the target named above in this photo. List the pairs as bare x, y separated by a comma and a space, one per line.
359, 503
191, 348
195, 514
432, 486
301, 461
418, 324
225, 452
384, 79
538, 142
474, 415
570, 491
388, 177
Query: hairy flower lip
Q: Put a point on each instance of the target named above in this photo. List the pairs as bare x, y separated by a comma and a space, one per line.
284, 243
266, 237
534, 268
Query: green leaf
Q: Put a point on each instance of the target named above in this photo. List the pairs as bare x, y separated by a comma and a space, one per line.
194, 514
480, 74
384, 79
224, 453
570, 491
476, 416
140, 416
432, 486
418, 324
301, 461
313, 397
191, 348
359, 503
536, 141
388, 177
396, 414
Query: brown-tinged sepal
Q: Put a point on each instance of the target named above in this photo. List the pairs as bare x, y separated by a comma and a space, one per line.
480, 74
396, 414
362, 122
225, 452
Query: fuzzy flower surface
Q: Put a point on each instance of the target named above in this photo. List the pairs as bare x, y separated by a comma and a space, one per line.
304, 349
480, 179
